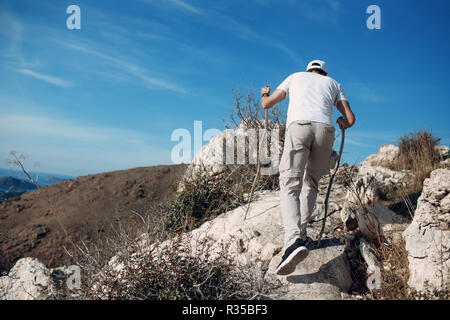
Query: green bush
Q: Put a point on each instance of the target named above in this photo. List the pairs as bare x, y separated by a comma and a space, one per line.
201, 199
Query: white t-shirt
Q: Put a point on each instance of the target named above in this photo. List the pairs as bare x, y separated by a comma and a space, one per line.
311, 97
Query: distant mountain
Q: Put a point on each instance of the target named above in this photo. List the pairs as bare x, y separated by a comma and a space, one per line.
5, 195
44, 179
12, 184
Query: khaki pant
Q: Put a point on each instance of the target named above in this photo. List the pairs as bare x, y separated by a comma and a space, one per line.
306, 157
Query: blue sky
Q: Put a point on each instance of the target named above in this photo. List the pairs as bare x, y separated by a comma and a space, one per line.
109, 96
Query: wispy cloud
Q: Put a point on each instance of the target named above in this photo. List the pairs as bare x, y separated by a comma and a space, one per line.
238, 29
39, 126
245, 32
137, 71
46, 78
186, 6
11, 35
81, 148
358, 143
178, 4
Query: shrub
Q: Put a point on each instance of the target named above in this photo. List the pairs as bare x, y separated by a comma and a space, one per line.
179, 272
418, 153
202, 198
172, 270
248, 113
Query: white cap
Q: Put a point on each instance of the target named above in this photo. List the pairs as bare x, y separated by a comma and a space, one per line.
317, 64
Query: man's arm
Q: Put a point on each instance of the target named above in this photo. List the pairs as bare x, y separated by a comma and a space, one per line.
268, 101
349, 118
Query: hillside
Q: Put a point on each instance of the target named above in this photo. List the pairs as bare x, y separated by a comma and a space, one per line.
15, 185
86, 207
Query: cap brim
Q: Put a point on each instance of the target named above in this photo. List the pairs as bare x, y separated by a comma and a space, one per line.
316, 68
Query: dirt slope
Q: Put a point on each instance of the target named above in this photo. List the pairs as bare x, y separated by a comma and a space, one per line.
85, 206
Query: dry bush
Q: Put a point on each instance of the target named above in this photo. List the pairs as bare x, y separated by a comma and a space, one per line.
247, 113
178, 272
394, 272
418, 153
156, 266
202, 198
395, 276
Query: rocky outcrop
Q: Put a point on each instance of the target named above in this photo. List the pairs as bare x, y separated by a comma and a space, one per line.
375, 222
428, 237
325, 274
386, 155
376, 165
29, 279
230, 147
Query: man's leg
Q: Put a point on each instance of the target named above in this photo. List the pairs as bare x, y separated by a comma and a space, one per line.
308, 197
317, 165
292, 167
290, 188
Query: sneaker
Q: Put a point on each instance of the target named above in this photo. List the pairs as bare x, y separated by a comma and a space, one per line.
293, 255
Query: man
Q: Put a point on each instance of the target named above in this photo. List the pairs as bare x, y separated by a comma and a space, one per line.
307, 149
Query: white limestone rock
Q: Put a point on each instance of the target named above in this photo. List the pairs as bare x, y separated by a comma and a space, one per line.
29, 279
428, 236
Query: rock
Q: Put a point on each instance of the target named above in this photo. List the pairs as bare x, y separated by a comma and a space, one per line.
231, 147
387, 154
373, 265
325, 274
29, 279
374, 221
378, 166
382, 174
427, 238
258, 241
444, 151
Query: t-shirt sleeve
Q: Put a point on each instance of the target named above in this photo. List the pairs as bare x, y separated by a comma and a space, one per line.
285, 85
340, 93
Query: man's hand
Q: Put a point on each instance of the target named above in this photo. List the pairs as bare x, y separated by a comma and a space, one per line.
268, 101
348, 118
343, 124
265, 90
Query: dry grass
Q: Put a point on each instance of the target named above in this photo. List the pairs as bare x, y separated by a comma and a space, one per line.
175, 272
394, 272
418, 155
156, 265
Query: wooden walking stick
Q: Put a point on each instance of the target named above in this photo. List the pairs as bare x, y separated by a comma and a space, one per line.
325, 215
258, 165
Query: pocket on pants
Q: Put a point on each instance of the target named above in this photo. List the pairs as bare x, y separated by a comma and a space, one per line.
293, 161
